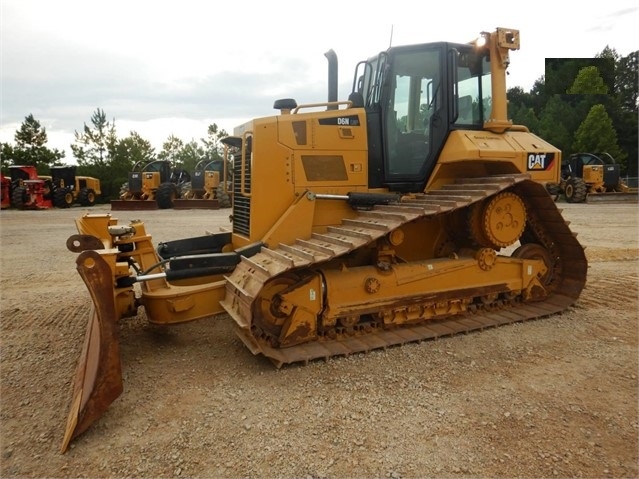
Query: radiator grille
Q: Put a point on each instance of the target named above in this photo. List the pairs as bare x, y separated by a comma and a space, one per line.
241, 204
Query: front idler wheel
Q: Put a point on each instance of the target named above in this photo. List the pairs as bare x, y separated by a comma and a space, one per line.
268, 314
536, 251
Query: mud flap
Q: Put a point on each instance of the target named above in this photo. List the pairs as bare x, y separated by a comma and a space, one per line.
98, 378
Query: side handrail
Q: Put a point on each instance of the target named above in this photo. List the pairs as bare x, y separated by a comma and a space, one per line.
326, 104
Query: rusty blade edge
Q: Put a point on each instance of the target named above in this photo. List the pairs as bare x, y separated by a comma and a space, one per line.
98, 378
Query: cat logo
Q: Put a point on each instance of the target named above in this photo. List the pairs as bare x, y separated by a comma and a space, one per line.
540, 161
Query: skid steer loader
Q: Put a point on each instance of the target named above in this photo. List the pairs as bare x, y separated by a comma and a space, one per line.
412, 210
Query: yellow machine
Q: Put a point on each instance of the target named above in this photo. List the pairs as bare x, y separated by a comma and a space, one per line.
414, 209
586, 177
69, 188
206, 189
151, 185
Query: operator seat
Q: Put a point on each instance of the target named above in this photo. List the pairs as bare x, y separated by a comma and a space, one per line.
465, 114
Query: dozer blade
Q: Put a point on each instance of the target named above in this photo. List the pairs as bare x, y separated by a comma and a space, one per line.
613, 197
183, 204
133, 205
98, 378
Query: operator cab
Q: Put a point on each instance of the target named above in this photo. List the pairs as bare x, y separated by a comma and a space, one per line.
414, 96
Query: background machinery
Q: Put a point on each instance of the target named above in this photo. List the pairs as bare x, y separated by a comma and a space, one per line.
28, 190
69, 188
586, 177
412, 210
206, 188
5, 191
151, 185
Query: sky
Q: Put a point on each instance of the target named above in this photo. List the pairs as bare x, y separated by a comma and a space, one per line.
162, 68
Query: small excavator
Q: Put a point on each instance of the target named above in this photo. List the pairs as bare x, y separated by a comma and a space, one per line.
412, 210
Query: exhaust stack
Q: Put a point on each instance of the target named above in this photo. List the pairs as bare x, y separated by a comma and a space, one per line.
332, 78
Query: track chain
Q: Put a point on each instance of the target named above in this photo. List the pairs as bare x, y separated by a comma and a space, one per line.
569, 276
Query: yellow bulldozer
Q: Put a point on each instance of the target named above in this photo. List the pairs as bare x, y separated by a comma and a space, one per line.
413, 209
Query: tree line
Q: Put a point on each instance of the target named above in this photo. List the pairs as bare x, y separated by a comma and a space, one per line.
579, 105
99, 153
585, 105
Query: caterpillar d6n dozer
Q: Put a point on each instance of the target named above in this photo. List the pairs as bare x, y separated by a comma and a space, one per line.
414, 209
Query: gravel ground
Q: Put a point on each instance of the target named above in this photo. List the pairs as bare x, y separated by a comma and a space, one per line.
555, 397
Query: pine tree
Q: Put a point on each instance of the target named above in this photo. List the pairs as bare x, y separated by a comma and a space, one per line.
588, 82
597, 135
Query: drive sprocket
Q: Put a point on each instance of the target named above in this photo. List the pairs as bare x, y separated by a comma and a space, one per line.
499, 221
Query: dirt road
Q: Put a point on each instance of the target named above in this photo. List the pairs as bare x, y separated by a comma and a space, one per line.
555, 397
